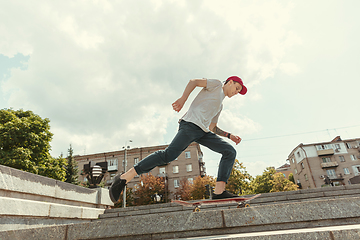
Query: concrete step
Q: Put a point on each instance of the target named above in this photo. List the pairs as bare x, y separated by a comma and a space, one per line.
265, 199
348, 232
185, 224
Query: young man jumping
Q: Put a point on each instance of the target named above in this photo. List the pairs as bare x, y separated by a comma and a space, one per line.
199, 124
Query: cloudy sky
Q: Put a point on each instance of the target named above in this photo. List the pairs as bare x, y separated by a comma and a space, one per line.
105, 72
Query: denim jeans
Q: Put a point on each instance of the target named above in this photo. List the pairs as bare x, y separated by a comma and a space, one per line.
188, 133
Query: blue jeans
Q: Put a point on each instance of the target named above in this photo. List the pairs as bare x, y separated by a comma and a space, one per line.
188, 133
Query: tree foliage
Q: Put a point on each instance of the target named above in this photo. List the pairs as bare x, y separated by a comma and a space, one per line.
129, 199
53, 168
150, 185
25, 144
271, 181
183, 192
291, 177
198, 188
239, 180
71, 168
262, 183
281, 184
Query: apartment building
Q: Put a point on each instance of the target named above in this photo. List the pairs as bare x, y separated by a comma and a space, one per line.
337, 160
189, 164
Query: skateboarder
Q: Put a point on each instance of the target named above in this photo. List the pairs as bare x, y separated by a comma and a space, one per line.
199, 124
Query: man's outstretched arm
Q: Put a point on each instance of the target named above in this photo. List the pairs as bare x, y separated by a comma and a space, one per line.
193, 83
215, 129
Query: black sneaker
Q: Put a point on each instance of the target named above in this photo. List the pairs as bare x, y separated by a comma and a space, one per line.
225, 194
116, 188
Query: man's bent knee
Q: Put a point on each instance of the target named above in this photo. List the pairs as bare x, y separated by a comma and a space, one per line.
231, 152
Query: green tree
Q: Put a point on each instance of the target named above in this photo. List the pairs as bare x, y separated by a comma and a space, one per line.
71, 168
25, 144
129, 199
291, 177
281, 184
239, 180
262, 183
53, 168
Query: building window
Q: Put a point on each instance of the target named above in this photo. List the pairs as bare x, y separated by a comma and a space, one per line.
189, 167
306, 177
295, 171
337, 146
326, 159
162, 170
342, 159
348, 145
346, 171
302, 165
298, 154
175, 169
353, 157
187, 155
322, 147
136, 161
331, 173
356, 169
176, 183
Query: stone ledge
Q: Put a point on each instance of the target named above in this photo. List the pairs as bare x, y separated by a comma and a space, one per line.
22, 207
190, 224
22, 222
23, 185
348, 232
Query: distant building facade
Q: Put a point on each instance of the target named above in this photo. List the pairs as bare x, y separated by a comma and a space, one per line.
337, 161
284, 169
188, 165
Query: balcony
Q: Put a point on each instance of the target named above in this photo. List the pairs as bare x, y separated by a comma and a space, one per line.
329, 165
325, 152
337, 178
112, 168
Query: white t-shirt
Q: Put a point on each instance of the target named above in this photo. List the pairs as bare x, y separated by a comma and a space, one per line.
207, 105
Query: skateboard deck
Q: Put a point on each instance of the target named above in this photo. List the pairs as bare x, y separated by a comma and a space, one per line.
242, 202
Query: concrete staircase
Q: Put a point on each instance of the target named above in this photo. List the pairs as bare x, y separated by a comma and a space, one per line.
31, 201
323, 213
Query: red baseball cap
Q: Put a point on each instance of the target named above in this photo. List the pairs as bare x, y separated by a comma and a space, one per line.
237, 79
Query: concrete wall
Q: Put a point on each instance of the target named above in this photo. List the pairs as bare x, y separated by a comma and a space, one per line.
28, 200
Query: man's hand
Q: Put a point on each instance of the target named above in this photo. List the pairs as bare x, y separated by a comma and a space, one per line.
235, 139
178, 104
215, 129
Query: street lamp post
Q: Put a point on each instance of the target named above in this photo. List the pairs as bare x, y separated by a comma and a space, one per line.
125, 165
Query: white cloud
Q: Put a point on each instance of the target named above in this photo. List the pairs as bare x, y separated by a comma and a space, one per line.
107, 71
289, 68
237, 124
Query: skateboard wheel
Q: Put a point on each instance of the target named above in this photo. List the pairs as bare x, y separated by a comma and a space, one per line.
247, 205
241, 205
197, 209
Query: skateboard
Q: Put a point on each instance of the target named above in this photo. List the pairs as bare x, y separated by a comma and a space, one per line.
241, 201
